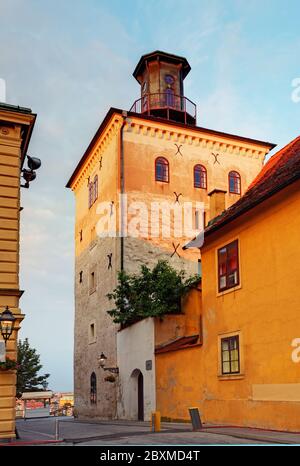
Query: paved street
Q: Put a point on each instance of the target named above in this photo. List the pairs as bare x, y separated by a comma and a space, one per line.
74, 432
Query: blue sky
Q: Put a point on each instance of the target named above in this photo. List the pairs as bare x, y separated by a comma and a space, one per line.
71, 60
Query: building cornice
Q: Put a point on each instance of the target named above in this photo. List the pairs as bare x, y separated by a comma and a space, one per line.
95, 151
162, 129
11, 292
212, 141
11, 116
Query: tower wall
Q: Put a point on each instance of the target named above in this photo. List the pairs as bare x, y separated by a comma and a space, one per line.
91, 302
143, 141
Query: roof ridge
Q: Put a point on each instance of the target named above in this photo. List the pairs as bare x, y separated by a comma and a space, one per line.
271, 163
283, 171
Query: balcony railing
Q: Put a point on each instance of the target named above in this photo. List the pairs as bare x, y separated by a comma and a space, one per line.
165, 105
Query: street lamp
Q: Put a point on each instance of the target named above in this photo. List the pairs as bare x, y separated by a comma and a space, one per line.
101, 359
7, 323
29, 174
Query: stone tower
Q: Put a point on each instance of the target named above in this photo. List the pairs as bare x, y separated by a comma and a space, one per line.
154, 153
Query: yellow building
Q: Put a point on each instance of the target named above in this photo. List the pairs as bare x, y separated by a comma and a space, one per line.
153, 153
16, 125
246, 372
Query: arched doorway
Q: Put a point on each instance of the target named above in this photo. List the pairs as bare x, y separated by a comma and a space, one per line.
140, 397
137, 395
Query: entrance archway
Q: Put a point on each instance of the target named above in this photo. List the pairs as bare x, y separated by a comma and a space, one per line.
140, 397
137, 395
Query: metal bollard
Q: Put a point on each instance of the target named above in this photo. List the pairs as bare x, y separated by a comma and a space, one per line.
56, 429
155, 421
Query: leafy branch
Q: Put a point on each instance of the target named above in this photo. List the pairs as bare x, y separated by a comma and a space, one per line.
151, 293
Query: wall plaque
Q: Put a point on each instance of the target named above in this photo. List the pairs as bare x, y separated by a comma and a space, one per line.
149, 365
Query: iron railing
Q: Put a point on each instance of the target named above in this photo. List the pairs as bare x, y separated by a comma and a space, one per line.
149, 104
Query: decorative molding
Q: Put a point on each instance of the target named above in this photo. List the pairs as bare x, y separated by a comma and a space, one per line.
4, 130
179, 137
98, 152
11, 292
212, 142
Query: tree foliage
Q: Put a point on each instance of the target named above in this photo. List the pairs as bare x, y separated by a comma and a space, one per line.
151, 293
29, 366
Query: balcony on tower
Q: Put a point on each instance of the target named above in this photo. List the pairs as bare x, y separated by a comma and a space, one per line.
161, 76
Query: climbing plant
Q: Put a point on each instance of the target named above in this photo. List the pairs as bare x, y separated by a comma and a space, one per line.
150, 293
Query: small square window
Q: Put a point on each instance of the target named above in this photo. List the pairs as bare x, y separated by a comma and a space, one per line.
80, 276
228, 266
230, 355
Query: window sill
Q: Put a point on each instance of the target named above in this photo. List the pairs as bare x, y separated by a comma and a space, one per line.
231, 377
229, 290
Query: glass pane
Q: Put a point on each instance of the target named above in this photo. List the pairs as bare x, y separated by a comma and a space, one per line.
225, 345
165, 173
234, 366
234, 355
225, 356
232, 279
226, 368
231, 184
223, 282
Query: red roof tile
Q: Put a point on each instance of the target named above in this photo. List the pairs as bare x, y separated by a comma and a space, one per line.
280, 171
179, 343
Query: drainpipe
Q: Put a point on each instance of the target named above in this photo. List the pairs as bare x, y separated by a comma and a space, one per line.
124, 115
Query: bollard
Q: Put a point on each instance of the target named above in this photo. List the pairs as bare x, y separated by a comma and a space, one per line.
155, 421
195, 418
56, 430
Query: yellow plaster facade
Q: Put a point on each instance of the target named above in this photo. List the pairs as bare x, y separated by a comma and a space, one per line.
16, 125
263, 311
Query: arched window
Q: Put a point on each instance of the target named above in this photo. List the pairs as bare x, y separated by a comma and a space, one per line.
95, 188
93, 389
234, 179
169, 97
162, 169
200, 177
90, 194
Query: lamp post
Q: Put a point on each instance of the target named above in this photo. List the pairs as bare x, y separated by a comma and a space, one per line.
101, 359
7, 324
29, 174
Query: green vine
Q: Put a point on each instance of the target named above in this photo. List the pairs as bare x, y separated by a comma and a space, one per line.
152, 293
